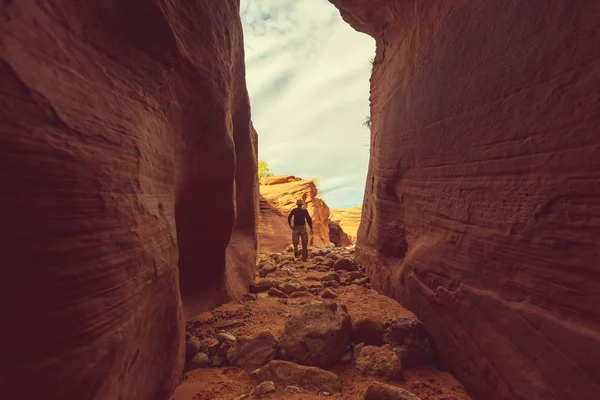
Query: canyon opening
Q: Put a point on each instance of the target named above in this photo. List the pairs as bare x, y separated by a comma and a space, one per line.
133, 218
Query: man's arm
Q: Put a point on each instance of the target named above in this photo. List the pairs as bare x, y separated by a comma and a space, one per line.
309, 220
290, 219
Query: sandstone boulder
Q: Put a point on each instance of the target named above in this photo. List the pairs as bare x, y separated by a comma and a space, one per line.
380, 361
312, 379
253, 351
316, 334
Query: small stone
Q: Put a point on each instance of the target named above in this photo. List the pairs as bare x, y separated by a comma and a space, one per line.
223, 349
224, 337
291, 287
381, 391
276, 293
302, 293
200, 360
332, 276
248, 297
414, 353
203, 318
344, 264
263, 388
332, 256
380, 361
209, 346
289, 249
292, 389
192, 347
229, 308
218, 361
328, 262
328, 294
319, 259
357, 349
333, 284
346, 358
403, 329
267, 269
355, 275
228, 323
362, 281
261, 285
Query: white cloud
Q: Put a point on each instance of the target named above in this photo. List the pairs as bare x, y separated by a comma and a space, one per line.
308, 78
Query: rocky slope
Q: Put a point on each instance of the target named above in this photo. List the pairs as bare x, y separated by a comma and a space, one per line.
117, 119
278, 196
348, 219
482, 199
309, 331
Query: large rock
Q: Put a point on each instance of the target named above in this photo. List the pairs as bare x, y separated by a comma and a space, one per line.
253, 351
316, 334
278, 195
482, 196
381, 391
380, 361
126, 153
286, 373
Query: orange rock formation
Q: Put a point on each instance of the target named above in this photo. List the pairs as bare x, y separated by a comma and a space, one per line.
278, 195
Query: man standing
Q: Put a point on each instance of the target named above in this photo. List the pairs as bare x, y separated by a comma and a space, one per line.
301, 217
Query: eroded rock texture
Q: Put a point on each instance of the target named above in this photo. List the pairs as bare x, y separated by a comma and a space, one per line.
348, 220
278, 196
122, 123
483, 195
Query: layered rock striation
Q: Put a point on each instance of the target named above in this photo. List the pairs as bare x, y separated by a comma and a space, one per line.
128, 171
482, 198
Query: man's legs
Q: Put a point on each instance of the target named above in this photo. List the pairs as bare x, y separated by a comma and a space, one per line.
304, 245
295, 240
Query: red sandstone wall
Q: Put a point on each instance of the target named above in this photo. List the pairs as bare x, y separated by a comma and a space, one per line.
482, 208
121, 123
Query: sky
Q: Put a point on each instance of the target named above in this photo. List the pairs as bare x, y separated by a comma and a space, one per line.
307, 73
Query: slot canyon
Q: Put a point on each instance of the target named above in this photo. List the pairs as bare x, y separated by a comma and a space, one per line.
131, 206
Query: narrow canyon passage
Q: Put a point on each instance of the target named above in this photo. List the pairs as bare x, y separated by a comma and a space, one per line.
130, 202
302, 317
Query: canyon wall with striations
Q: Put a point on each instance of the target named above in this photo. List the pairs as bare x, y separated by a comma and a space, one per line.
482, 205
278, 196
128, 165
